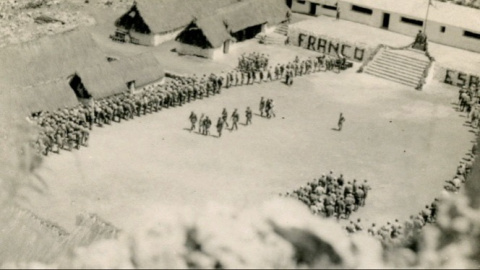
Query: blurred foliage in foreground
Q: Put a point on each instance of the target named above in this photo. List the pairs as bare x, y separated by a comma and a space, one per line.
24, 235
279, 234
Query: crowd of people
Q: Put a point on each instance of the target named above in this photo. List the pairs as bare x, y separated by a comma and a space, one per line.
69, 128
62, 129
397, 231
253, 62
469, 101
332, 196
401, 232
463, 171
252, 70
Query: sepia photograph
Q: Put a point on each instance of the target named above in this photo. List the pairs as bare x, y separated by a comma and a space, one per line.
239, 134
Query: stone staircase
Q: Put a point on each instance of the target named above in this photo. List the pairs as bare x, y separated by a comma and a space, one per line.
282, 29
402, 66
277, 37
272, 38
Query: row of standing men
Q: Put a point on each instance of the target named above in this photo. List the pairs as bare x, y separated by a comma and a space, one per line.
68, 128
281, 71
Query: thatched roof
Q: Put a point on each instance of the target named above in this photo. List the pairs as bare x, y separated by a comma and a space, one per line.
209, 32
253, 12
34, 74
217, 28
214, 30
109, 79
275, 11
48, 58
143, 69
46, 96
162, 16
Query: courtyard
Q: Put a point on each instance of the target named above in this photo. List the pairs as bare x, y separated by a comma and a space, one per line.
405, 142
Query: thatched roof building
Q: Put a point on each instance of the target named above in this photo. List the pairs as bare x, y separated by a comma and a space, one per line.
111, 78
248, 13
34, 75
239, 21
40, 75
45, 96
209, 32
163, 16
48, 58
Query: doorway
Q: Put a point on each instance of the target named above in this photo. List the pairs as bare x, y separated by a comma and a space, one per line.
77, 86
386, 20
289, 3
313, 9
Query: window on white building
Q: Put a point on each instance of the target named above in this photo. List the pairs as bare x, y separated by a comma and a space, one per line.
362, 10
412, 21
471, 34
329, 7
442, 29
301, 2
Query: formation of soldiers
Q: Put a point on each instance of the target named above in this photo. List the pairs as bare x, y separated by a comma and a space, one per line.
401, 232
463, 171
282, 71
468, 100
398, 232
332, 196
253, 62
69, 128
63, 129
204, 122
304, 67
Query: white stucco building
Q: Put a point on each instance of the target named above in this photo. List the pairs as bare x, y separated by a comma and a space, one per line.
448, 24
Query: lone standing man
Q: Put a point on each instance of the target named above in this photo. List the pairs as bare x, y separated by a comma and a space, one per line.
248, 115
200, 124
225, 116
219, 127
235, 117
193, 120
341, 120
207, 123
262, 106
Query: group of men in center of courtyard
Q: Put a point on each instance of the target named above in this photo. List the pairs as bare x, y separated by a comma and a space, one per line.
266, 108
69, 127
332, 196
204, 123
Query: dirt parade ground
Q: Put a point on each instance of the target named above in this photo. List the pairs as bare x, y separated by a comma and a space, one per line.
405, 142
